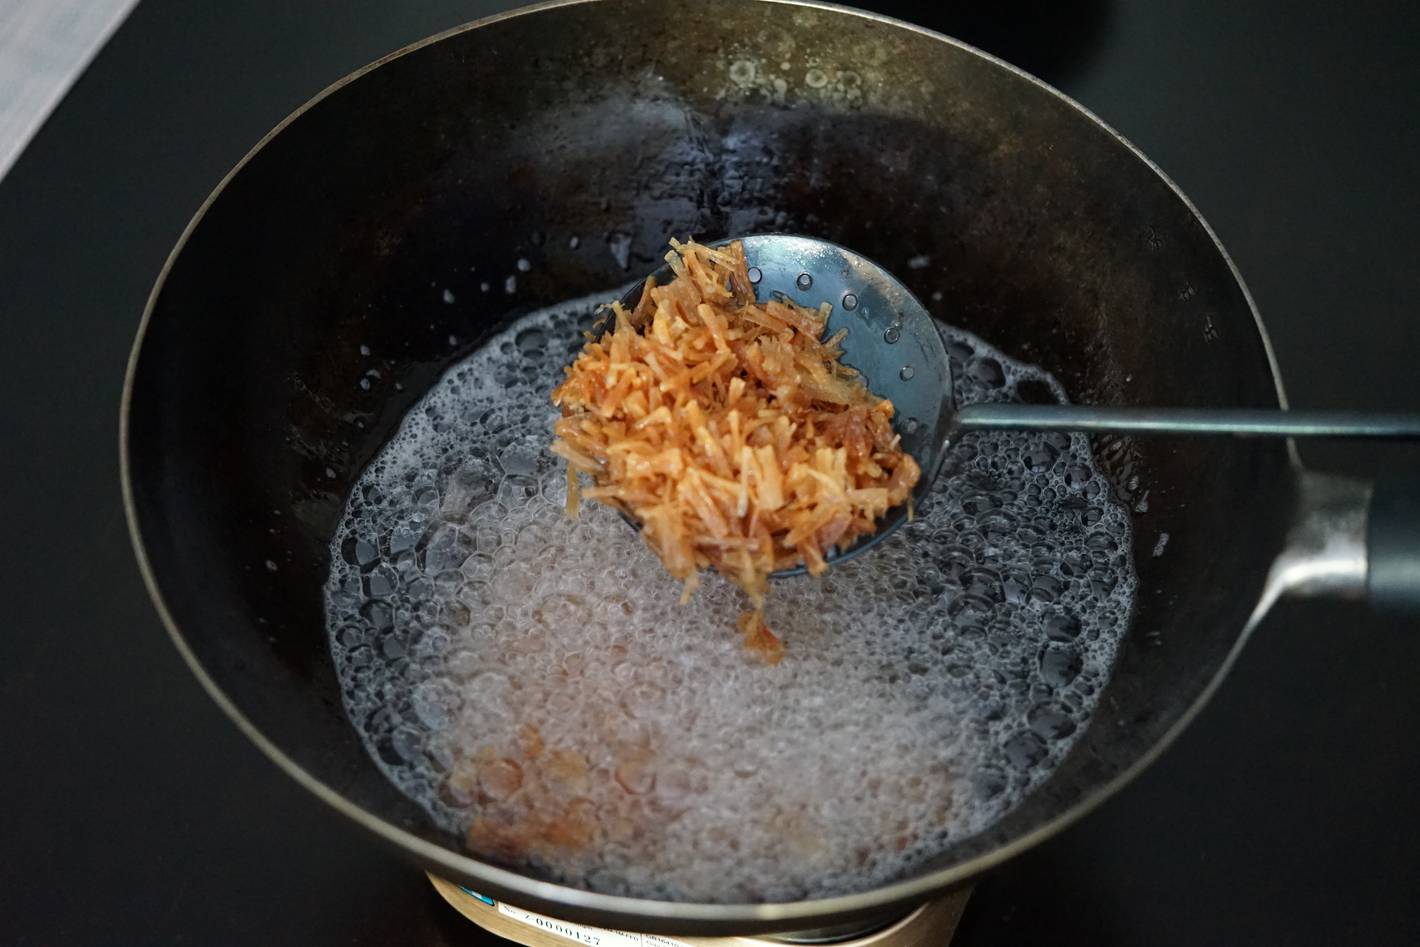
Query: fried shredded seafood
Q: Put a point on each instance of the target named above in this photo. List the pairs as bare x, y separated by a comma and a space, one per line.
730, 430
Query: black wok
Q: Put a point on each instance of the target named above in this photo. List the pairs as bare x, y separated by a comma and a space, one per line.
565, 132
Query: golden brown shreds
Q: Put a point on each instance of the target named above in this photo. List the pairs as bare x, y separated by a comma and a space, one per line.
642, 313
758, 637
541, 814
530, 741
574, 497
567, 769
549, 820
729, 429
498, 841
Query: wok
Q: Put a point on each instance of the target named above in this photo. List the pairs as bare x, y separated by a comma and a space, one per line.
578, 136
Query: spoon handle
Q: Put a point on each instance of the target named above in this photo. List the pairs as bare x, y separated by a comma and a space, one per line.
1240, 422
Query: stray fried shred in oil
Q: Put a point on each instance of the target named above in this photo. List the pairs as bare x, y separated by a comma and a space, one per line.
730, 430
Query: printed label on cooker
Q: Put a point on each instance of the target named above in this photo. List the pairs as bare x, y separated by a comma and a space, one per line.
590, 936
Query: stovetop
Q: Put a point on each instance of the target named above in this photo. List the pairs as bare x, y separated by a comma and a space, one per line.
134, 813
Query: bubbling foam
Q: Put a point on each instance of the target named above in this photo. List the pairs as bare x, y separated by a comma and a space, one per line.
926, 686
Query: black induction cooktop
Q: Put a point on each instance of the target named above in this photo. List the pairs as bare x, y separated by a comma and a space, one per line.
134, 813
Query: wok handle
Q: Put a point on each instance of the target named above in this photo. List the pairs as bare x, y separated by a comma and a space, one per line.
1239, 422
1393, 546
1354, 540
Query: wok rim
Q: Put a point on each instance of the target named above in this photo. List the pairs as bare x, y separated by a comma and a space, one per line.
742, 918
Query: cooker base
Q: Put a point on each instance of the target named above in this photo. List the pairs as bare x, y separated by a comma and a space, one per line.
929, 925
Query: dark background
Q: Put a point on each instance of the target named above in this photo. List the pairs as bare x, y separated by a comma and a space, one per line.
134, 813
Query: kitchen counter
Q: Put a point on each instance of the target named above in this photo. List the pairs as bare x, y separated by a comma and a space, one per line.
135, 813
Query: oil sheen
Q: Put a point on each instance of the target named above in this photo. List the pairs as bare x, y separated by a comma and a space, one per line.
535, 679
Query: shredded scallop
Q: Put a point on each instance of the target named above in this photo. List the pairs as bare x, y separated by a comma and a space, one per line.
730, 430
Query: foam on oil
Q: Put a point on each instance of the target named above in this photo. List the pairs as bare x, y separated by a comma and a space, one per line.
925, 689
